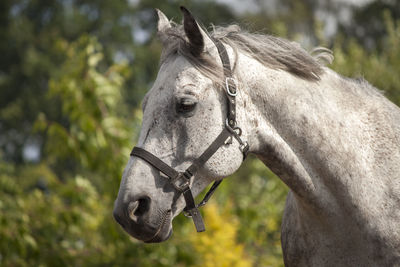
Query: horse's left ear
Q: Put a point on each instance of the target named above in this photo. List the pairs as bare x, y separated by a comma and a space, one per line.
162, 26
199, 40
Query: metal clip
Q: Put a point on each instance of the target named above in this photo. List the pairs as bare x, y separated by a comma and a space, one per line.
187, 214
182, 186
237, 132
229, 141
233, 129
244, 147
228, 89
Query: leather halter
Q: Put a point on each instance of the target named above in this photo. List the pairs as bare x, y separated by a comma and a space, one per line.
181, 180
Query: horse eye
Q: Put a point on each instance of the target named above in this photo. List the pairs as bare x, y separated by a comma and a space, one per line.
185, 105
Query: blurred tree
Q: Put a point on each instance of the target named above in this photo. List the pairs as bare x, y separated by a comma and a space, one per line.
367, 26
31, 33
91, 107
257, 199
218, 246
381, 67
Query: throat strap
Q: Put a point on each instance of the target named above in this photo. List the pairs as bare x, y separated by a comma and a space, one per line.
230, 83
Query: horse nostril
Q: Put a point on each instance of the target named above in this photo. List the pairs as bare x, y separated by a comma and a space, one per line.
138, 208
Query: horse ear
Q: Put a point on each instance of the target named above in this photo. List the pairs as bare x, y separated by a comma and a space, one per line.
163, 21
162, 25
199, 40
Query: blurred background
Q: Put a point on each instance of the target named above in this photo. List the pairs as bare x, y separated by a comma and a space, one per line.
72, 76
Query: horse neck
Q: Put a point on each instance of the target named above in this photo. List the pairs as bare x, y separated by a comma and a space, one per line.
309, 133
266, 96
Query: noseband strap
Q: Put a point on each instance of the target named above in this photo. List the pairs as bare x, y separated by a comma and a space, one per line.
181, 180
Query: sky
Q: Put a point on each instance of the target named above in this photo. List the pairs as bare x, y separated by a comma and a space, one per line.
241, 6
330, 21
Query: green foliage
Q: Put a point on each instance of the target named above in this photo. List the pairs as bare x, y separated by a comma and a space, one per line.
92, 130
34, 234
380, 68
256, 197
32, 38
218, 246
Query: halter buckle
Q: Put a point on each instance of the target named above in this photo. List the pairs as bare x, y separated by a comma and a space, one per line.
180, 182
228, 89
187, 214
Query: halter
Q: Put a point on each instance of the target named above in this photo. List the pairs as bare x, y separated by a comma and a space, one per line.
181, 180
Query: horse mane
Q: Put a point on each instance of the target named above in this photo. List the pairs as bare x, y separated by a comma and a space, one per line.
271, 51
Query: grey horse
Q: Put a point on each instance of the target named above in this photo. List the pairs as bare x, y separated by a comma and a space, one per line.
334, 141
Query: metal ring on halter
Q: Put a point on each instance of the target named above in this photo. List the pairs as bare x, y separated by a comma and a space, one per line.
237, 132
233, 129
183, 186
228, 89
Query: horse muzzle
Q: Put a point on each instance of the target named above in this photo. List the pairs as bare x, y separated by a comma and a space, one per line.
134, 217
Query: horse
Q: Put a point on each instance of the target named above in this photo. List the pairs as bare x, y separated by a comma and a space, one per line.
334, 141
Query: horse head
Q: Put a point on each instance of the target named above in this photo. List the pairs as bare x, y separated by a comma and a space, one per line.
183, 113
